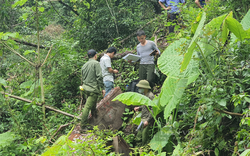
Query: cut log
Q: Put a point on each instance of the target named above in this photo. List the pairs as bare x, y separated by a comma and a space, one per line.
109, 112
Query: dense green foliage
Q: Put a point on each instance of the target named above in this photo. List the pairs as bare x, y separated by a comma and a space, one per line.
203, 105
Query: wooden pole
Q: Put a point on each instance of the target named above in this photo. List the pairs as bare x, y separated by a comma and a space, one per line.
47, 107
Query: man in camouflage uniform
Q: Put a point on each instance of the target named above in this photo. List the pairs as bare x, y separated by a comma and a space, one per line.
92, 85
146, 116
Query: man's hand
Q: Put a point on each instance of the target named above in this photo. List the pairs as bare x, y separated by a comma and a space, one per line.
115, 71
136, 108
103, 93
157, 53
145, 123
168, 8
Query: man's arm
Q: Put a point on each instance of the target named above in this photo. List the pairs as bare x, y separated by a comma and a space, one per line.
198, 3
112, 70
107, 64
163, 6
138, 108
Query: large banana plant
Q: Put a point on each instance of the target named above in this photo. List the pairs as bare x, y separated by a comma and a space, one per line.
180, 63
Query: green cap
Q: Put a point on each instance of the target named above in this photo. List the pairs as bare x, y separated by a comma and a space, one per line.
143, 84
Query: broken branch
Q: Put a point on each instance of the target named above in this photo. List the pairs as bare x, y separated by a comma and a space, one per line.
17, 53
47, 55
48, 107
65, 125
226, 112
138, 29
29, 44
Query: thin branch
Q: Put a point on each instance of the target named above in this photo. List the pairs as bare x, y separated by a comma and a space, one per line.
13, 26
114, 18
17, 53
58, 12
75, 12
195, 121
230, 113
65, 125
48, 107
68, 7
92, 150
29, 44
47, 55
139, 29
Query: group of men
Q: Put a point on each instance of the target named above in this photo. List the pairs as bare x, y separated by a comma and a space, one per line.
96, 76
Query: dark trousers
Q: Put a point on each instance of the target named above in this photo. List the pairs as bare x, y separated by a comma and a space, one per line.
173, 18
146, 72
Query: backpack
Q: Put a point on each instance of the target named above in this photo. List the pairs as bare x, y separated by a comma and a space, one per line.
132, 86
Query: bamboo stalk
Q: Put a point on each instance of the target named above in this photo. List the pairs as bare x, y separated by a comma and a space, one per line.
48, 107
17, 53
39, 65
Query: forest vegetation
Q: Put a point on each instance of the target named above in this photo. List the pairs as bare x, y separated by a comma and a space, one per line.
202, 104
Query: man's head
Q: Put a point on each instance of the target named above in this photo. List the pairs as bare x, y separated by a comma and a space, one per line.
141, 36
92, 54
143, 86
111, 52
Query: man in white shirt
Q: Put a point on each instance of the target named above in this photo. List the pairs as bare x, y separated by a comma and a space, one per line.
107, 71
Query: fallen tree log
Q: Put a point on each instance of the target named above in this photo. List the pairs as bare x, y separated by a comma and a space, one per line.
48, 107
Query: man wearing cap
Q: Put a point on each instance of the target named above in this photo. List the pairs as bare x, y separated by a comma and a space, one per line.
146, 116
92, 84
107, 71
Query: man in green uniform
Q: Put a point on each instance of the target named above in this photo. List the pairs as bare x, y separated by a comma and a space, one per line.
146, 116
92, 85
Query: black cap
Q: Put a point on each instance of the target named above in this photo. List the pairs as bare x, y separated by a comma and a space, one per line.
91, 53
111, 50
